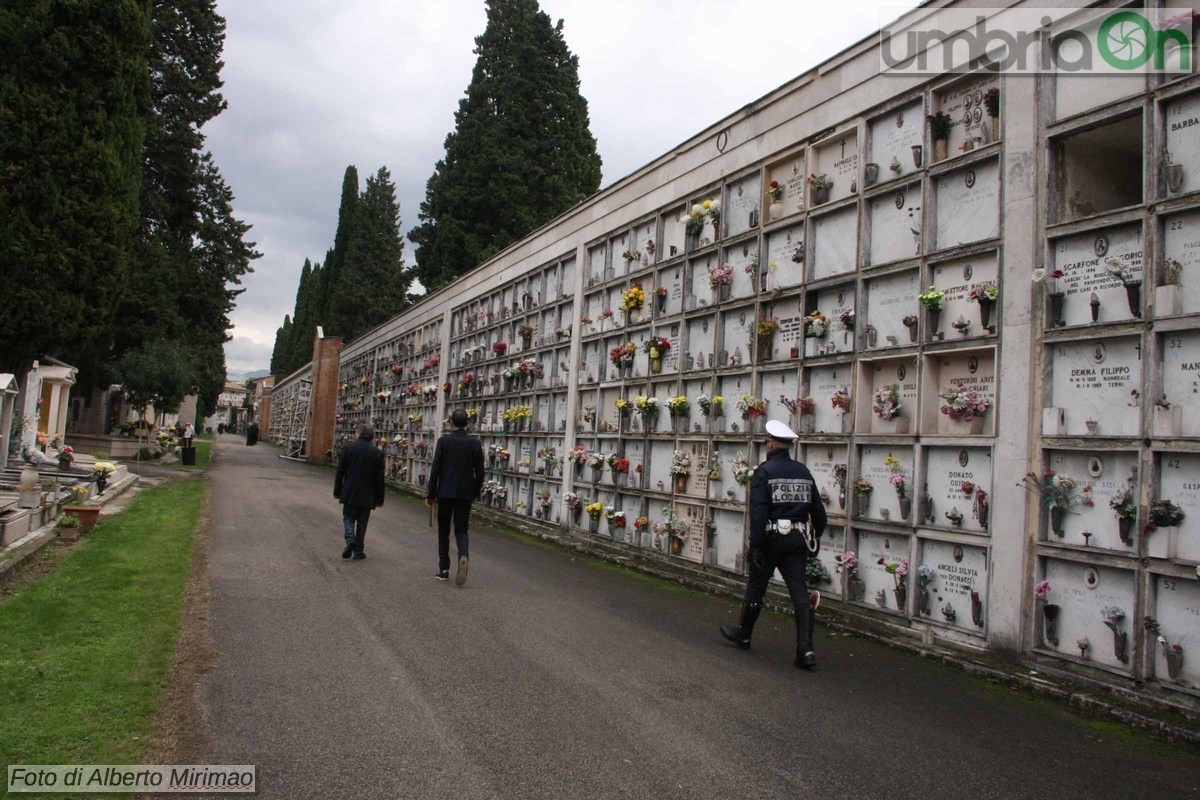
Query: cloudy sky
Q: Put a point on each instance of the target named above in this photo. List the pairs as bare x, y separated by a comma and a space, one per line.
315, 85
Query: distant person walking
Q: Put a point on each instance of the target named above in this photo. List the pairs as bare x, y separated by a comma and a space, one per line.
455, 480
359, 485
189, 433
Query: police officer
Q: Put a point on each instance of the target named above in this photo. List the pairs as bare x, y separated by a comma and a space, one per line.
786, 520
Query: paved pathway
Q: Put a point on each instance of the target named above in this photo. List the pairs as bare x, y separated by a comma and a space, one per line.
548, 676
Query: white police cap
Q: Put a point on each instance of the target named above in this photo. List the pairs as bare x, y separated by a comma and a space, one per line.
780, 431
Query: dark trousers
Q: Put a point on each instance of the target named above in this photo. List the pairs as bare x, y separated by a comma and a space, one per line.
460, 511
788, 555
354, 520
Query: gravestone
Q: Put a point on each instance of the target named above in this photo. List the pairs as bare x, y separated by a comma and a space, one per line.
660, 466
958, 595
838, 338
834, 248
872, 547
635, 451
889, 300
730, 539
732, 389
838, 160
617, 265
791, 176
542, 414
1107, 472
957, 278
968, 205
833, 544
698, 481
735, 343
822, 384
1181, 242
1178, 483
1177, 607
559, 415
789, 339
643, 239
723, 487
674, 235
1081, 592
776, 386
785, 258
700, 288
1083, 258
964, 103
697, 527
742, 205
822, 460
744, 260
592, 368
892, 137
672, 279
1095, 381
895, 226
701, 343
696, 421
566, 281
954, 476
964, 371
900, 372
884, 500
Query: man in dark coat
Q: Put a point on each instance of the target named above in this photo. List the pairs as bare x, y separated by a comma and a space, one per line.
787, 518
455, 480
359, 485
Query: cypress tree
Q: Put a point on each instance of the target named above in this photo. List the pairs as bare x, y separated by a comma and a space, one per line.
521, 151
73, 101
279, 355
372, 286
335, 259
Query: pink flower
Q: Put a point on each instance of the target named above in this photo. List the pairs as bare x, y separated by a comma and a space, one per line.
1042, 589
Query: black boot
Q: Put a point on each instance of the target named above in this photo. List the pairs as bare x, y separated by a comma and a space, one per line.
740, 634
805, 620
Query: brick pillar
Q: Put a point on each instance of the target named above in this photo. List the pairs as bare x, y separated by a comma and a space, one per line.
264, 412
323, 405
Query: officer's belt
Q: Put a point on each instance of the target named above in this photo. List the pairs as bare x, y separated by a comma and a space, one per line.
785, 526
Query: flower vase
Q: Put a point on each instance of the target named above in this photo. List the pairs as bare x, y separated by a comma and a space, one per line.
871, 174
1133, 293
1050, 623
982, 514
1121, 645
660, 302
862, 502
725, 291
985, 312
1174, 175
101, 482
655, 366
681, 482
1125, 530
820, 195
579, 465
766, 347
576, 512
842, 499
676, 546
976, 610
774, 210
716, 232
808, 423
594, 525
905, 507
918, 155
940, 148
933, 320
596, 473
923, 602
1057, 515
855, 588
1174, 664
1056, 308
901, 593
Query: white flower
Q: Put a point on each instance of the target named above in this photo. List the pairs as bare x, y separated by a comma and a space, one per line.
1039, 275
697, 210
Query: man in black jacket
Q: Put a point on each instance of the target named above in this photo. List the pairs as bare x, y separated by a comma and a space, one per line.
455, 480
359, 485
787, 518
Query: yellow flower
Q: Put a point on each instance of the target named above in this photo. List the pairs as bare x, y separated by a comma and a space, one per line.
654, 353
891, 463
707, 204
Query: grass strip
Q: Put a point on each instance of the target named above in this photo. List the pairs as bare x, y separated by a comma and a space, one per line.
85, 652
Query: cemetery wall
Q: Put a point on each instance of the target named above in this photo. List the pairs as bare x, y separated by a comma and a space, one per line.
1085, 374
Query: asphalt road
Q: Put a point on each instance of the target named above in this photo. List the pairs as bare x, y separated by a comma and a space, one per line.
548, 676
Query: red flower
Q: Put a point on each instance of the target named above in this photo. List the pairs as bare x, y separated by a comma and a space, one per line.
1058, 273
968, 487
774, 184
880, 562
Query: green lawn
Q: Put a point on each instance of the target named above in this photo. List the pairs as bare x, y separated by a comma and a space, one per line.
85, 651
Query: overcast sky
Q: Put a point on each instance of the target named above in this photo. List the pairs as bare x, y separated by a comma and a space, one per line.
315, 85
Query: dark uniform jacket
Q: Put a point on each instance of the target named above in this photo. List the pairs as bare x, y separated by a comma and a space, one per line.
783, 488
457, 472
359, 479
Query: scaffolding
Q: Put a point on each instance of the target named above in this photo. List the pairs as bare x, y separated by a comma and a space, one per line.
295, 433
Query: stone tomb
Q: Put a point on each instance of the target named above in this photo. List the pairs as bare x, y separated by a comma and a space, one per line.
695, 420
673, 234
1180, 385
643, 239
702, 343
672, 279
895, 226
954, 476
660, 466
885, 502
838, 161
785, 258
1181, 242
890, 299
1107, 472
732, 389
1095, 384
880, 591
737, 328
1082, 592
965, 371
833, 544
617, 263
968, 112
701, 293
892, 138
742, 205
821, 384
670, 362
730, 537
835, 243
697, 450
958, 593
838, 338
961, 316
776, 386
968, 205
541, 414
1088, 285
722, 486
597, 259
744, 260
1179, 482
1177, 607
560, 412
635, 451
879, 374
1183, 140
822, 460
792, 177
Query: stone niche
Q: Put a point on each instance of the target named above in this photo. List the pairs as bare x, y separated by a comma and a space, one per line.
697, 449
744, 260
961, 316
660, 466
895, 226
590, 367
672, 279
1090, 292
674, 234
838, 161
560, 412
1094, 388
1090, 521
700, 292
729, 536
968, 205
567, 278
692, 389
957, 592
833, 544
702, 343
879, 589
1179, 482
964, 103
722, 487
892, 138
742, 208
1181, 244
884, 503
950, 495
877, 374
834, 243
785, 258
838, 338
643, 243
891, 299
1180, 353
635, 451
618, 246
964, 371
597, 260
737, 328
789, 339
732, 387
696, 545
821, 384
1182, 117
1081, 593
792, 177
825, 461
778, 385
1176, 604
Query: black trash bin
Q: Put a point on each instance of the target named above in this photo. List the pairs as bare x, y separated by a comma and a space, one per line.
189, 456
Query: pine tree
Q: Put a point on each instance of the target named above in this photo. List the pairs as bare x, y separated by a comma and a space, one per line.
73, 101
521, 152
372, 286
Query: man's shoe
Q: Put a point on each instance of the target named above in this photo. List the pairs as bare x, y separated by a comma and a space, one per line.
740, 634
359, 555
461, 577
443, 574
806, 660
349, 551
